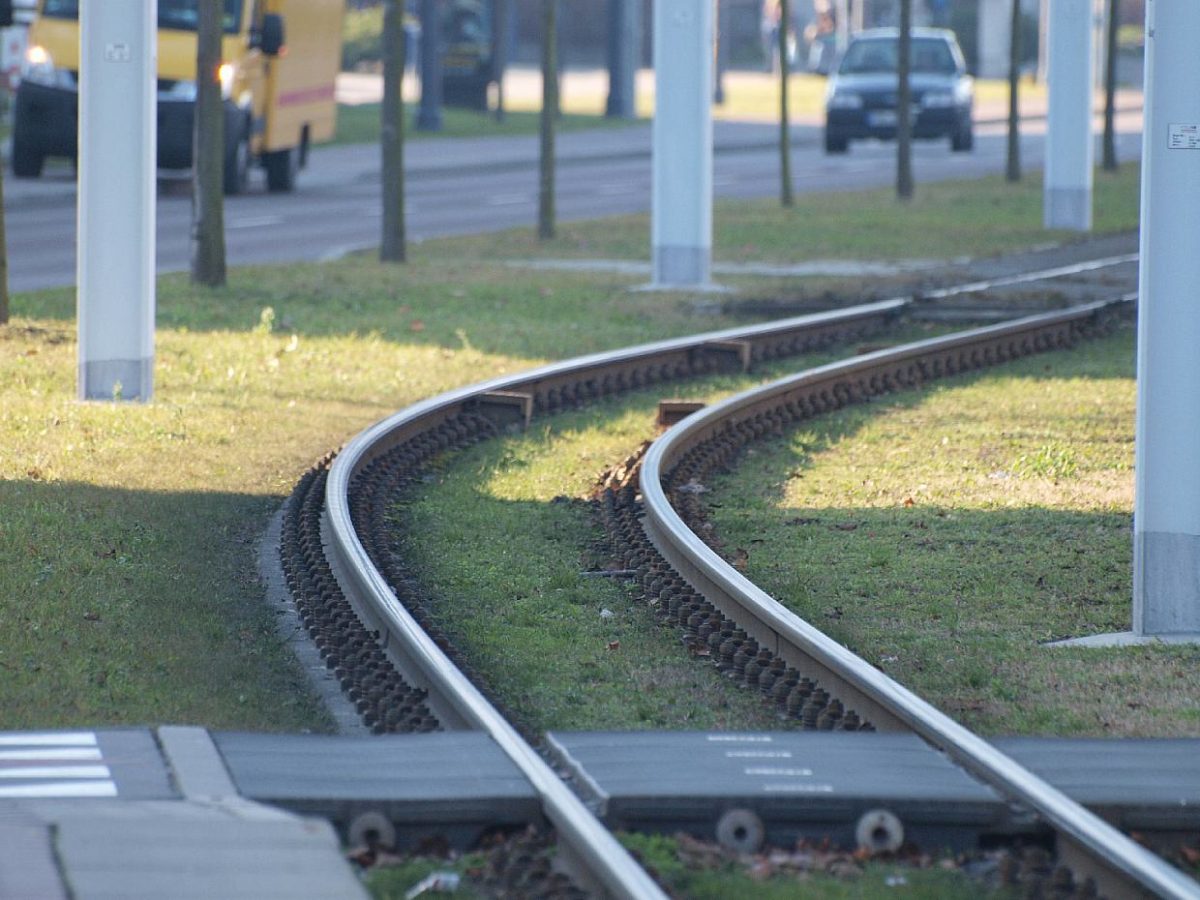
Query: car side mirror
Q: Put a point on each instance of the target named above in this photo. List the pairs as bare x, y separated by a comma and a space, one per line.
270, 36
6, 13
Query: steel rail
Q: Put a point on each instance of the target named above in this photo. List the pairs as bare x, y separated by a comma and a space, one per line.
1127, 865
418, 655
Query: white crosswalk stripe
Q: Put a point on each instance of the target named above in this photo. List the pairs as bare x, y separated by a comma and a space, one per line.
48, 765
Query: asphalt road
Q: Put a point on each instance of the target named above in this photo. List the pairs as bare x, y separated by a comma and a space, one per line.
461, 187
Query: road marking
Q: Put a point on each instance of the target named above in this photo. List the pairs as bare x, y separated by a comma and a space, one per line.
49, 739
508, 199
257, 222
57, 789
31, 773
75, 754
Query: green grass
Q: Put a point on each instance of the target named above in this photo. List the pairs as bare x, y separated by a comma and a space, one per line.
963, 527
359, 124
945, 220
128, 588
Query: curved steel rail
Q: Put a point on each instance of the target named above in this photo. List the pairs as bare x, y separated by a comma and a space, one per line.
456, 701
888, 703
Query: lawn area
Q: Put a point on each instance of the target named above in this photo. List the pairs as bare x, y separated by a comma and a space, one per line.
128, 583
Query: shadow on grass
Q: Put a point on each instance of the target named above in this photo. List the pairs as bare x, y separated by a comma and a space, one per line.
123, 607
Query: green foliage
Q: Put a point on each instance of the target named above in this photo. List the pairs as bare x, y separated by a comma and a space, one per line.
362, 37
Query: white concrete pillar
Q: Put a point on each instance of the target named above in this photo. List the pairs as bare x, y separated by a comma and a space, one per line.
681, 214
1067, 188
117, 159
1166, 566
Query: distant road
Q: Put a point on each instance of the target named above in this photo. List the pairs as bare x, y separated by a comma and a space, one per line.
473, 186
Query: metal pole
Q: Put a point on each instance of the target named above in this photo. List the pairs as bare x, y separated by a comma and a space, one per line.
116, 214
1166, 562
1067, 191
681, 211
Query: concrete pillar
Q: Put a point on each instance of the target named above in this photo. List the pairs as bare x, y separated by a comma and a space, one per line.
1166, 566
116, 214
681, 214
1067, 188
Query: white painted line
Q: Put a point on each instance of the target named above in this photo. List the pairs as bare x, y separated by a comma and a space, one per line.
259, 222
71, 753
54, 789
43, 772
49, 739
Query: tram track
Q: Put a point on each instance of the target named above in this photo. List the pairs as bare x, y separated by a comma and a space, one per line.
368, 616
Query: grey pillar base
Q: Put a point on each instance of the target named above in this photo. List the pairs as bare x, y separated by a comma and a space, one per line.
1068, 208
682, 267
116, 379
1127, 639
1166, 583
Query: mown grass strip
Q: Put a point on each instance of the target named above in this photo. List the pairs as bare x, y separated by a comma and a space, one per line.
961, 528
128, 586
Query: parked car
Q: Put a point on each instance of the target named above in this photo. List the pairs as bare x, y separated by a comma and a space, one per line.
861, 98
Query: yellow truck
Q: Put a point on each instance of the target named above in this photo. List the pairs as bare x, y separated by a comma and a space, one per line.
279, 59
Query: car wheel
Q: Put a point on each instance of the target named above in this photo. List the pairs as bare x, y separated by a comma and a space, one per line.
835, 143
282, 167
27, 159
237, 163
963, 140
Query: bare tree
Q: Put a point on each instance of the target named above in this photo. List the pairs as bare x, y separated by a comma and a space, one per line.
392, 244
208, 152
3, 256
1110, 88
904, 173
549, 114
1012, 169
785, 143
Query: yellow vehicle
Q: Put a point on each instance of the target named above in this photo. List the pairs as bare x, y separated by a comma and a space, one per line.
278, 96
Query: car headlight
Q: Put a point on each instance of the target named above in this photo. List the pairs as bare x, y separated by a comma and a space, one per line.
937, 99
225, 76
38, 68
844, 100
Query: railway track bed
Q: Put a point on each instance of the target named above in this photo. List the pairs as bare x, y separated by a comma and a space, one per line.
357, 581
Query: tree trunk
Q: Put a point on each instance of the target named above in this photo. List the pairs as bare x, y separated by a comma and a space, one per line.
785, 134
1110, 89
904, 174
1012, 169
549, 114
3, 257
500, 52
208, 153
392, 242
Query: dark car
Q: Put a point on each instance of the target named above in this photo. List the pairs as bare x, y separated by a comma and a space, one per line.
861, 99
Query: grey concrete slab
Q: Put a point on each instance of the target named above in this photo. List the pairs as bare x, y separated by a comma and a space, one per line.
797, 783
189, 850
27, 865
1138, 784
446, 784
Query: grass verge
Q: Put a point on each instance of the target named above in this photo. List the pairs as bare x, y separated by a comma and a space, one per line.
963, 527
128, 591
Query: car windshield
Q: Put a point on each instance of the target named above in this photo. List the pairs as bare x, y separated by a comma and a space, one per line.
179, 15
880, 55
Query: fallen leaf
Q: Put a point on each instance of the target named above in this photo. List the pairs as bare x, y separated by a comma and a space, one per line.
908, 501
416, 325
614, 645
